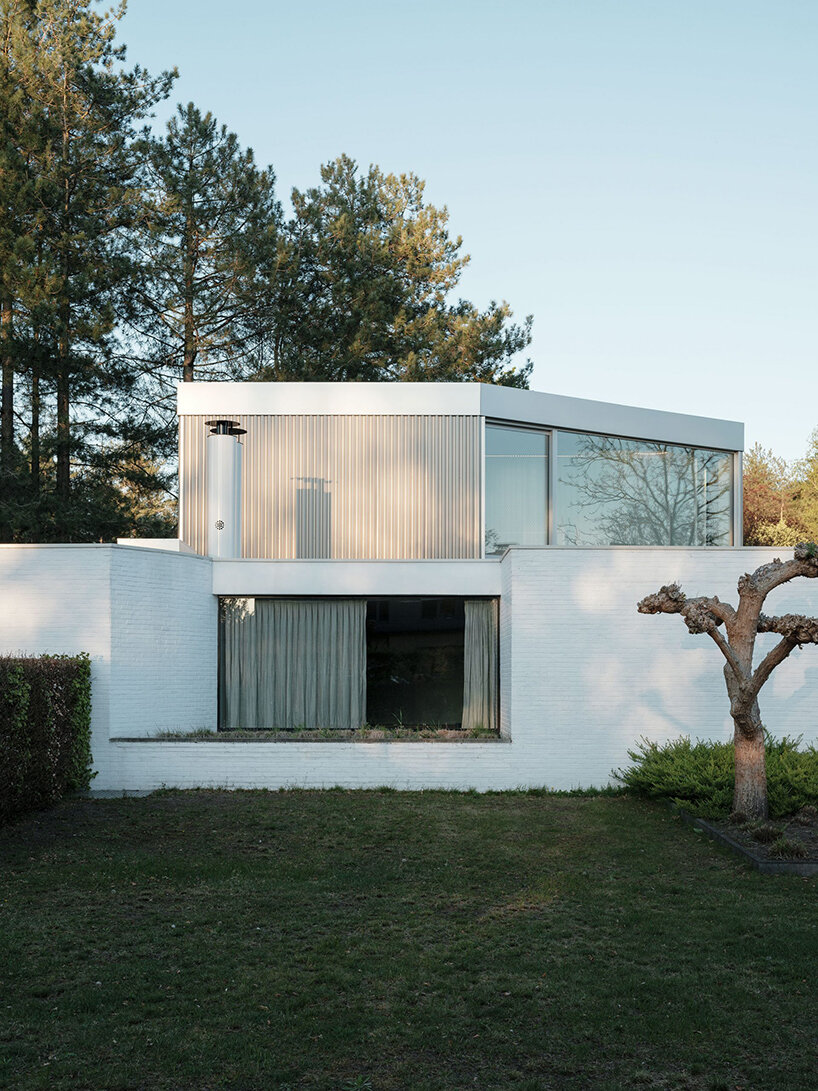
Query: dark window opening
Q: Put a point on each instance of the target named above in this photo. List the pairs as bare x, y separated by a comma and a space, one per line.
414, 670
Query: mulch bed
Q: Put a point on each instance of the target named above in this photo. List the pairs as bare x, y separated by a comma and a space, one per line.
779, 846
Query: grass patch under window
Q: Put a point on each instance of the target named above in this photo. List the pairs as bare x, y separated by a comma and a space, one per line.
367, 733
391, 940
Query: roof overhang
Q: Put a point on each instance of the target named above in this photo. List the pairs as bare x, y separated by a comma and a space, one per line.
467, 399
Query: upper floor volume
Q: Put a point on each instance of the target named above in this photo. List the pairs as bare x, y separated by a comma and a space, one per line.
372, 471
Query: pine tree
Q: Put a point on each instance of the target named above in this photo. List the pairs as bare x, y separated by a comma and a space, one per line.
74, 201
360, 290
13, 187
211, 217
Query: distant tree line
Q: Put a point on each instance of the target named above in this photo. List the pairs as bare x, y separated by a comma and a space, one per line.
130, 261
780, 497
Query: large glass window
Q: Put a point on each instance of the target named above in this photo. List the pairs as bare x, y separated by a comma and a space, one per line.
516, 487
317, 664
292, 663
613, 491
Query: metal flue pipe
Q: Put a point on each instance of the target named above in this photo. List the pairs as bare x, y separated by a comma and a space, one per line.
224, 456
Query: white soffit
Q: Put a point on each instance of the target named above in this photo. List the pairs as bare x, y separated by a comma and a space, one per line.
366, 578
470, 399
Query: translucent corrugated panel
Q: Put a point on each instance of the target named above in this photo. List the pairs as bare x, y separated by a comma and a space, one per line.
346, 487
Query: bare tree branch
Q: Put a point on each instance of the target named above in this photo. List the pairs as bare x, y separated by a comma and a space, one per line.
770, 661
728, 654
701, 615
669, 599
769, 576
802, 629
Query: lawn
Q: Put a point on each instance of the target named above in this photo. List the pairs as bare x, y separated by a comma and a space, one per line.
387, 940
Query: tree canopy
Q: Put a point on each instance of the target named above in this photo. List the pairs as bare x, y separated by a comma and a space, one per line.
780, 497
69, 119
361, 288
131, 260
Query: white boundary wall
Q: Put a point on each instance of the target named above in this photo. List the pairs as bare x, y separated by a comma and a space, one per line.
146, 617
587, 675
583, 676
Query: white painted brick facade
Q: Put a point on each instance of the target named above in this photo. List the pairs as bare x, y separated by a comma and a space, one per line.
147, 619
583, 676
590, 676
163, 643
57, 599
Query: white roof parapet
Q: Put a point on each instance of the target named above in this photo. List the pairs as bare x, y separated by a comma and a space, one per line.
583, 415
368, 399
469, 399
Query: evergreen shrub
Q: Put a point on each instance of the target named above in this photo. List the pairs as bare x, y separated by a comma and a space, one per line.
45, 730
699, 775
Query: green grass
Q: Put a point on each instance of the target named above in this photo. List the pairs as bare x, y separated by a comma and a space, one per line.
388, 940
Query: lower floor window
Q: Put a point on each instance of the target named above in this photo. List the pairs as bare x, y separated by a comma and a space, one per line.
336, 663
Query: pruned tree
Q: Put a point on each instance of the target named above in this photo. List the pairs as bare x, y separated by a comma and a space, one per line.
734, 632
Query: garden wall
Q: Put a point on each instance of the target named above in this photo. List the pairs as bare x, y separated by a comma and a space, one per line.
583, 675
589, 675
147, 618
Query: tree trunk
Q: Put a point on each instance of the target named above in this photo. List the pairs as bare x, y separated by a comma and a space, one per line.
7, 450
189, 322
35, 429
750, 791
7, 413
63, 419
64, 341
750, 794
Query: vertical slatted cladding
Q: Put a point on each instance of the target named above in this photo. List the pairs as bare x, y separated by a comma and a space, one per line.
346, 487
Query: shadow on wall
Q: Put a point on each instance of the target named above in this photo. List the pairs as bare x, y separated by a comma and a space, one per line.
651, 677
54, 599
313, 518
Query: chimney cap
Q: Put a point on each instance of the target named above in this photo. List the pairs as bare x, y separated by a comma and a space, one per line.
225, 427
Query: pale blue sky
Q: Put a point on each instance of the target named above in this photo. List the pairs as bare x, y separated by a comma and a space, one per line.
640, 175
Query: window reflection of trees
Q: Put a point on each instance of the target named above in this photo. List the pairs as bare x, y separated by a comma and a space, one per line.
645, 493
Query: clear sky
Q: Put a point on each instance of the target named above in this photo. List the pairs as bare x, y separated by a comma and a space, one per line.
640, 175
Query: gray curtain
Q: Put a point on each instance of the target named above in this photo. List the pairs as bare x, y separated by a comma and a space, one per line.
293, 663
480, 665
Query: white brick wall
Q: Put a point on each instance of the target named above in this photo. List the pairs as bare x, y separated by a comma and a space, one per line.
147, 619
163, 643
583, 676
506, 648
590, 676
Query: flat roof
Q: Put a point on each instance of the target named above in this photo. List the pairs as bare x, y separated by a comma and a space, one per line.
468, 399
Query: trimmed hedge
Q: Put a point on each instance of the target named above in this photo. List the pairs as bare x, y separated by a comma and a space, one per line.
45, 730
699, 776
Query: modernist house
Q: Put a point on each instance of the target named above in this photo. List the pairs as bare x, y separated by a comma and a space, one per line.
415, 473
449, 555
